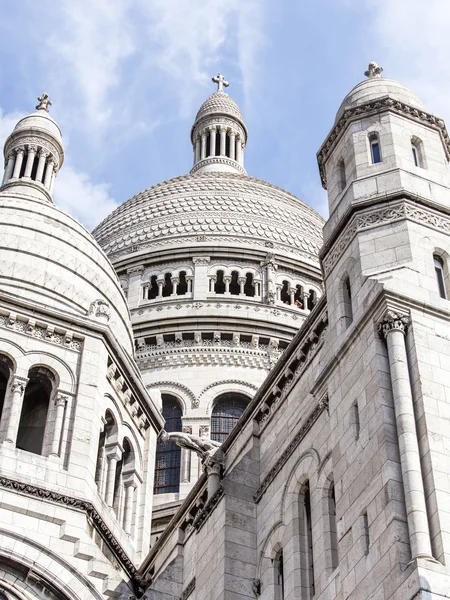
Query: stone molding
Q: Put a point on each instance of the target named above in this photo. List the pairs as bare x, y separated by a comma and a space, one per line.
173, 386
82, 505
18, 143
393, 321
218, 160
42, 331
320, 407
208, 509
188, 590
228, 382
395, 211
370, 108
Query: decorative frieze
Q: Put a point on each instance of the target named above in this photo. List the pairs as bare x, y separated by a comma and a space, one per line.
208, 509
188, 590
41, 331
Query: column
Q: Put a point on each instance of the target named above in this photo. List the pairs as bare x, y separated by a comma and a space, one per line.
292, 294
186, 459
19, 160
242, 153
160, 283
223, 141
232, 144
48, 173
130, 483
15, 408
241, 281
278, 296
60, 405
227, 281
305, 302
189, 279
238, 149
9, 167
41, 165
113, 455
213, 470
394, 328
175, 282
203, 147
197, 149
212, 283
212, 141
145, 288
52, 180
30, 160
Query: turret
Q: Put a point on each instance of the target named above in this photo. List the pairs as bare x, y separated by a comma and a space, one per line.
219, 134
34, 152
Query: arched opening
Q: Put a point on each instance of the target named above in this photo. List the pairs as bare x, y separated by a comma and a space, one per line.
285, 296
226, 412
306, 543
107, 435
182, 285
347, 299
168, 285
279, 575
33, 418
208, 144
440, 275
312, 299
227, 146
375, 149
298, 297
219, 286
332, 526
6, 368
168, 456
153, 289
249, 287
342, 181
234, 284
417, 152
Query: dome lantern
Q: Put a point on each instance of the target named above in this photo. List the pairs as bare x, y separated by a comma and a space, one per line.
34, 152
219, 134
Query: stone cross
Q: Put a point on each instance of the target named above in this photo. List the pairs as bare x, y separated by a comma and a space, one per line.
44, 102
373, 71
221, 83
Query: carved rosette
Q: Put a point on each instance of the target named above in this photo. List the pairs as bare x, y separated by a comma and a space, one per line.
100, 310
393, 322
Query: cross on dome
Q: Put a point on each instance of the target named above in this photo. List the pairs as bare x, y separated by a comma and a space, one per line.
373, 71
44, 102
220, 80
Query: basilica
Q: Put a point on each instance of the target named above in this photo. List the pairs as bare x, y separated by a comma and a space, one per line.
217, 395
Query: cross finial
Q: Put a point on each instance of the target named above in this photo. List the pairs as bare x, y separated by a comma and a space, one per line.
44, 102
373, 71
221, 83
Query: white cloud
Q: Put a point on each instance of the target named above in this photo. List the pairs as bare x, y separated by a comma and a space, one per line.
7, 124
77, 194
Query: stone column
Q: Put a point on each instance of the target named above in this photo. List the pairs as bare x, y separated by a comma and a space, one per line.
145, 288
212, 141
305, 302
197, 150
49, 173
238, 149
130, 483
203, 146
241, 281
292, 294
15, 408
278, 292
186, 459
113, 454
41, 165
242, 153
213, 470
270, 268
394, 328
30, 160
18, 164
227, 281
223, 140
189, 279
160, 283
175, 282
212, 283
232, 144
52, 180
9, 167
60, 405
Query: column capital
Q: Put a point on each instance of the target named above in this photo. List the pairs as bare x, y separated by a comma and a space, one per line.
20, 151
43, 153
32, 148
61, 399
18, 385
242, 279
131, 478
393, 321
227, 278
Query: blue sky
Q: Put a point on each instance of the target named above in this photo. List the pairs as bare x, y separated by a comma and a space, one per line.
127, 77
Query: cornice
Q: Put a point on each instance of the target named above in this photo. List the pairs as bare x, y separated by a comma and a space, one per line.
378, 106
208, 509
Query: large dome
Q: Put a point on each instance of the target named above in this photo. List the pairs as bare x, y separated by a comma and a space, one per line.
214, 208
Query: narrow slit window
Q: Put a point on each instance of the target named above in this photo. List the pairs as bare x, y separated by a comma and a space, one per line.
439, 270
416, 155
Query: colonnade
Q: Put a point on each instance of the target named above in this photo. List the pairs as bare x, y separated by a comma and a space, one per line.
219, 140
33, 162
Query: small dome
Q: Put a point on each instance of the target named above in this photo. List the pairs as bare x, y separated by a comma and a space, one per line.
42, 121
219, 102
378, 87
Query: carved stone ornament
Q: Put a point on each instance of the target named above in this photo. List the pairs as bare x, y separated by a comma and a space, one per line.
44, 102
256, 587
393, 322
373, 70
18, 386
100, 310
202, 446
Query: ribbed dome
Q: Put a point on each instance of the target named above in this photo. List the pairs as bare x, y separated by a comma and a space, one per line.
219, 103
375, 88
48, 258
215, 208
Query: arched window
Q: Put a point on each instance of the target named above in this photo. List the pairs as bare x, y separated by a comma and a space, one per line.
219, 286
417, 152
298, 297
306, 543
312, 299
249, 287
33, 418
107, 435
182, 285
347, 299
168, 456
6, 368
375, 150
332, 526
279, 576
235, 288
440, 277
226, 412
342, 181
168, 285
285, 296
153, 289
